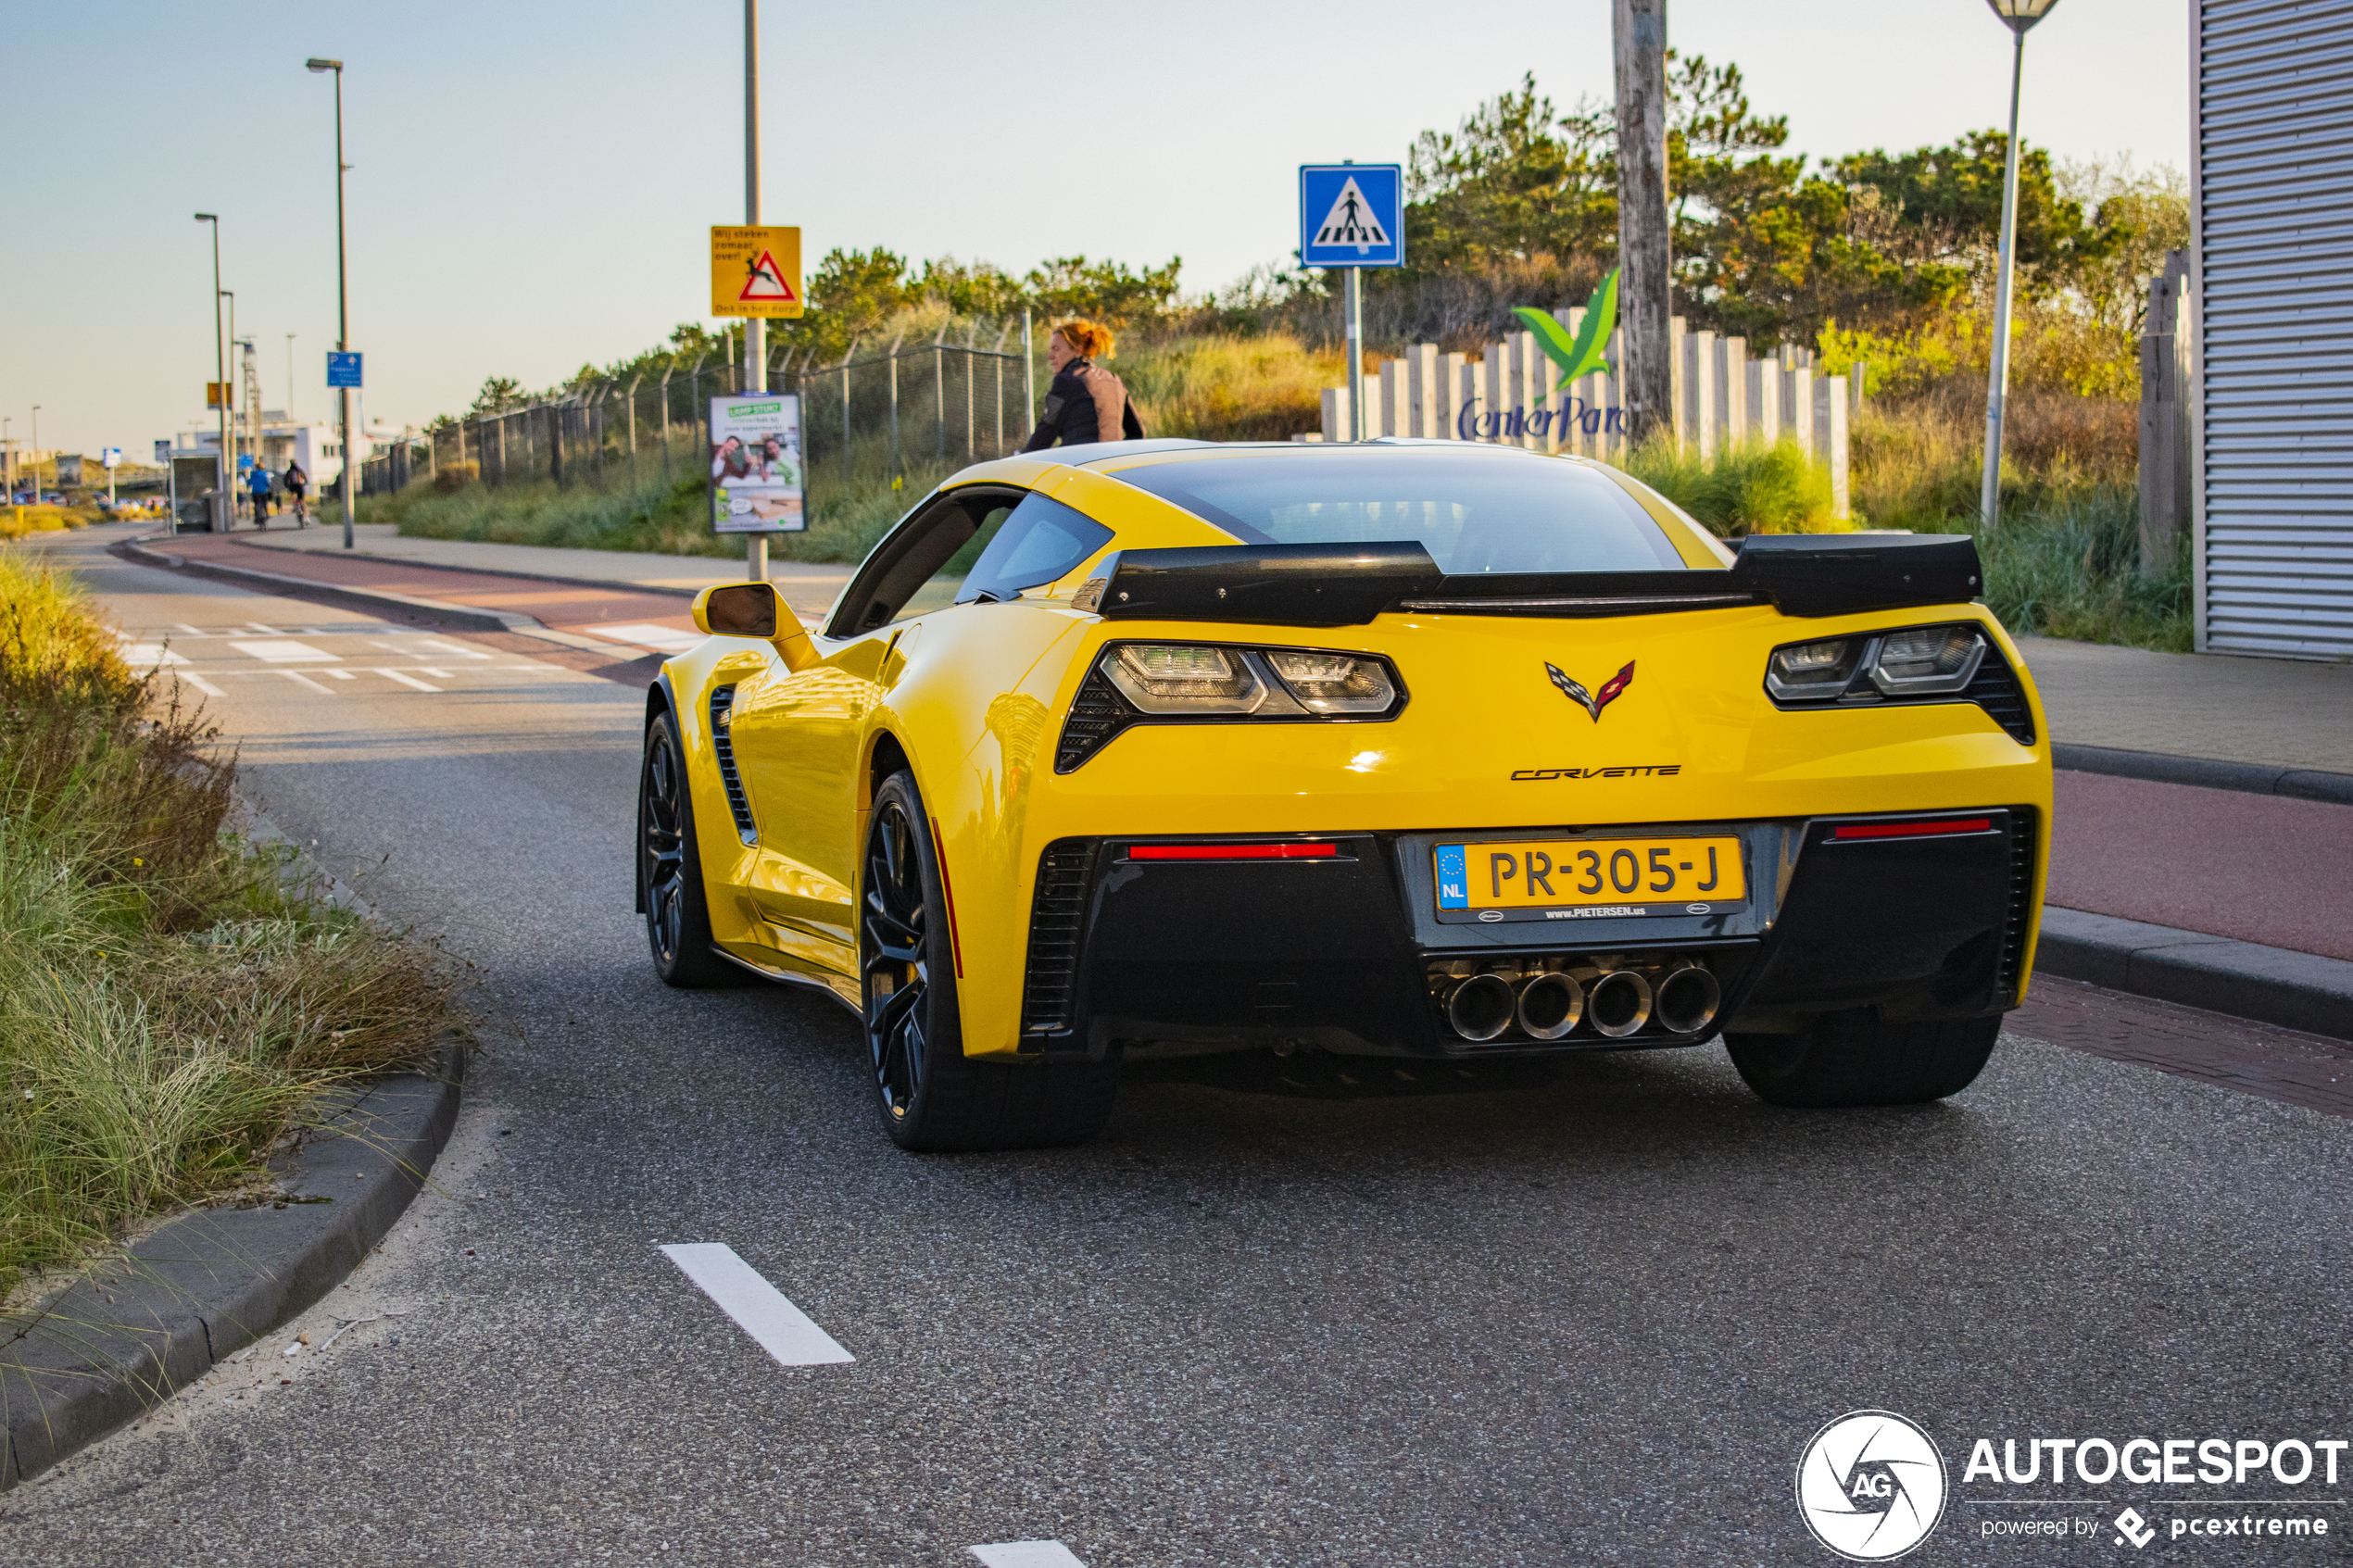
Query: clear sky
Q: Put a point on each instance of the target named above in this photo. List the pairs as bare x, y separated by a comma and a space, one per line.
532, 182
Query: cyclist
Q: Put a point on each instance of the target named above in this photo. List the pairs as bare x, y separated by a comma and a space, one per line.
294, 480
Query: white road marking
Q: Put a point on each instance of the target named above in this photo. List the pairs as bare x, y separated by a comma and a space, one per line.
661, 639
259, 627
1028, 1554
191, 629
343, 674
283, 650
437, 646
149, 656
388, 647
758, 1308
201, 683
406, 681
299, 678
437, 674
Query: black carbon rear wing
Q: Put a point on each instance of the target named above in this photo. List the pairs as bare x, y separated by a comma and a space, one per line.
1805, 574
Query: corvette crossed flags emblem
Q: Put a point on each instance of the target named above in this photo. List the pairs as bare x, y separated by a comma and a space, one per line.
1593, 702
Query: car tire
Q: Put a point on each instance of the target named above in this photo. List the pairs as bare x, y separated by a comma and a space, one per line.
670, 867
1850, 1059
932, 1097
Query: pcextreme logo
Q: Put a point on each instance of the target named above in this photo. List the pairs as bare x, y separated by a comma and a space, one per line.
1870, 1486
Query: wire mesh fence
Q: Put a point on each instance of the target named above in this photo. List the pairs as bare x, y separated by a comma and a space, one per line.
875, 416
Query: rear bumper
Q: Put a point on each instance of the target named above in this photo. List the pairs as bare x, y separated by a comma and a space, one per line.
1348, 952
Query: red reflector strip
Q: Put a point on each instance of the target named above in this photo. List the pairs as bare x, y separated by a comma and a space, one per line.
1912, 829
1232, 851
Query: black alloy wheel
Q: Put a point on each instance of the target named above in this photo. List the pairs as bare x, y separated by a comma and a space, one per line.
669, 866
894, 959
932, 1094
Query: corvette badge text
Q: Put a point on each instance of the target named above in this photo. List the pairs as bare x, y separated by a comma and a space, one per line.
1872, 1485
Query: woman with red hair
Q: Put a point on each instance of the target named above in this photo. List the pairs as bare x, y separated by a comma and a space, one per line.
1085, 403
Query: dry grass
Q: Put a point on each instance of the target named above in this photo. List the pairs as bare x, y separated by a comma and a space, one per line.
168, 1007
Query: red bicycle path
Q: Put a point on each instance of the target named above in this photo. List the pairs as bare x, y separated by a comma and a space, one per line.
2258, 868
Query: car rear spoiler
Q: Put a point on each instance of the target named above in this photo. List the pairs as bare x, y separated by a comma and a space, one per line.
1805, 574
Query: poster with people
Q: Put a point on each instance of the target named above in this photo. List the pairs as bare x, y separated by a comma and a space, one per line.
755, 464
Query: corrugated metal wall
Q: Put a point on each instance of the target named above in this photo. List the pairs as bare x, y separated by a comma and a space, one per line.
2273, 150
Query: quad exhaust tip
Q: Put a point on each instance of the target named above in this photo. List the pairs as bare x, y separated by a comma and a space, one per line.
1550, 1005
1555, 997
1481, 1007
1621, 1003
1688, 999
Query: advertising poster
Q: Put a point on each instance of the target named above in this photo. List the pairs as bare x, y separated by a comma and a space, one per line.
755, 464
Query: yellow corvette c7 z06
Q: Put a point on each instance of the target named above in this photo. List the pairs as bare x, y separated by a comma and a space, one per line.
1406, 749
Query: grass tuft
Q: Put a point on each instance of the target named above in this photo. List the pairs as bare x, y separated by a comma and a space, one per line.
169, 1007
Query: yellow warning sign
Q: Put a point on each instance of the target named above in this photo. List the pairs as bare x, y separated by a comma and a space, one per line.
755, 271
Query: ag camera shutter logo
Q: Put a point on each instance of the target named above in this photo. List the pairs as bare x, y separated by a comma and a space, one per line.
1870, 1486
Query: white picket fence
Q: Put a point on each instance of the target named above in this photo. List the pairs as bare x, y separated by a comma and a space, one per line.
1722, 398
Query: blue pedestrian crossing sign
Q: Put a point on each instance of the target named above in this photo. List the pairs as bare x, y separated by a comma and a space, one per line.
1351, 215
343, 369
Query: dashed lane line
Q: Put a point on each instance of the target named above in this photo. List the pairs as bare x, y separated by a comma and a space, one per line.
299, 678
1028, 1554
282, 650
758, 1308
408, 680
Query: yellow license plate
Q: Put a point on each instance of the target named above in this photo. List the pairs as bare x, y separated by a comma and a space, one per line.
1575, 878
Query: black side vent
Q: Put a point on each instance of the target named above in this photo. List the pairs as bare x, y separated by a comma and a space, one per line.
723, 746
1098, 714
1996, 689
2022, 825
1054, 921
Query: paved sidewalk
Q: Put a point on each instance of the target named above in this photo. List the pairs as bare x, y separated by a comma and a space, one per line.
808, 586
2279, 712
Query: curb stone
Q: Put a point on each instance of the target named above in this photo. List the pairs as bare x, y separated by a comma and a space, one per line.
2246, 979
2251, 778
120, 1342
479, 620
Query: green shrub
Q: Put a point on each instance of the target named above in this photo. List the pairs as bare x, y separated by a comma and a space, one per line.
1755, 488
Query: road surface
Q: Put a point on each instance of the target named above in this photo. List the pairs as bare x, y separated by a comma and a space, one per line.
1314, 1313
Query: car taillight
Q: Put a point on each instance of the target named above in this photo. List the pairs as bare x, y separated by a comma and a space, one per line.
1334, 683
1812, 671
1928, 660
1916, 661
1190, 678
1169, 680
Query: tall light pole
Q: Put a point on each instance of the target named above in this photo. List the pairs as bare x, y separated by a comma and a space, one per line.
755, 329
221, 378
2020, 15
343, 299
236, 420
290, 385
8, 454
36, 454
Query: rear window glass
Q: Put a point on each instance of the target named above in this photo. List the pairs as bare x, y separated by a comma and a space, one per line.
1474, 509
1038, 542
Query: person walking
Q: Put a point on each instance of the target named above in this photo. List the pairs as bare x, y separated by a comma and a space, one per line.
295, 482
258, 483
1085, 403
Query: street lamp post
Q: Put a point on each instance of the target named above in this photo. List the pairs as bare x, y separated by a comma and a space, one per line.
755, 329
236, 421
36, 454
2020, 15
221, 378
343, 297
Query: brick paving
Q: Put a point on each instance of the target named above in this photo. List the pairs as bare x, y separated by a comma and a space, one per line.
2261, 868
2233, 1053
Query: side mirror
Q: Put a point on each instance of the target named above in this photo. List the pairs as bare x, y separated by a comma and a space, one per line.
736, 610
752, 610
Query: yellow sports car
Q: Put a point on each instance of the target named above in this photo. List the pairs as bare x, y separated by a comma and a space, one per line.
1399, 749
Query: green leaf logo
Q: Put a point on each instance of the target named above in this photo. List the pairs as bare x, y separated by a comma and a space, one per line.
1585, 353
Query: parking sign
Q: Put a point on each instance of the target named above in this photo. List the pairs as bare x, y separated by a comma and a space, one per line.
1351, 215
343, 369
